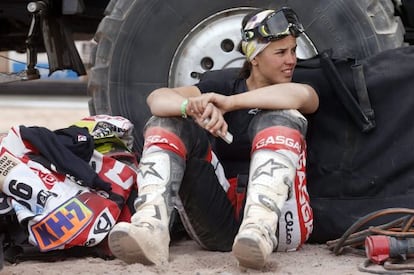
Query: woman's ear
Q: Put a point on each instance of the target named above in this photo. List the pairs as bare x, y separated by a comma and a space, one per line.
254, 61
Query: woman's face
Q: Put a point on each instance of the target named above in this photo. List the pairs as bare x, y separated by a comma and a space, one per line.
275, 64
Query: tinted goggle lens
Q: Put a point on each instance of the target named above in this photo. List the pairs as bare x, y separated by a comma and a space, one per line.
277, 25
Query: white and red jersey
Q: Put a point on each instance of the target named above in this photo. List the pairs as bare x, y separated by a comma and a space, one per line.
60, 213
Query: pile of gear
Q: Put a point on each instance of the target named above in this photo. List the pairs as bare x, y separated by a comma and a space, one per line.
62, 191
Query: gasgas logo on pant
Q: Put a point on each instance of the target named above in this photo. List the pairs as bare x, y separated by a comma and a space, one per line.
271, 141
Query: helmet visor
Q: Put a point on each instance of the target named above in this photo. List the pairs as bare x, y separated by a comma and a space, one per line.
275, 26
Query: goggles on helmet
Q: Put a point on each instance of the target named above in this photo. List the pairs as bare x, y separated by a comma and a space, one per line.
276, 25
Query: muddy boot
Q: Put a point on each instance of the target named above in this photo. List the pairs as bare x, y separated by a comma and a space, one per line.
271, 176
146, 239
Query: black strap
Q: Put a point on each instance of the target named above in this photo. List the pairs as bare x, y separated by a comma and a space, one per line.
362, 91
364, 122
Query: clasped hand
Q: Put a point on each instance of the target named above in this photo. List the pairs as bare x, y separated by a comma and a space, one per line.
208, 110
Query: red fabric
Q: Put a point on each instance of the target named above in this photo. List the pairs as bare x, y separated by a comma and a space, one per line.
235, 196
279, 137
166, 140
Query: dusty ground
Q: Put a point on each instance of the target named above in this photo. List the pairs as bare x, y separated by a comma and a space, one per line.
186, 257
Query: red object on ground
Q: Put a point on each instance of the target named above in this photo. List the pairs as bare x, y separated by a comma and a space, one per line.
377, 248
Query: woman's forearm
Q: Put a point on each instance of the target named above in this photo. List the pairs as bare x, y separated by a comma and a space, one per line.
168, 101
281, 96
165, 102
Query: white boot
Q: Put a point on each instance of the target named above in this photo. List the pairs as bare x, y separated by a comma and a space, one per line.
146, 239
271, 176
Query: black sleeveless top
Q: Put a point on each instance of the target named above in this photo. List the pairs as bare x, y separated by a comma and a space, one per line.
234, 157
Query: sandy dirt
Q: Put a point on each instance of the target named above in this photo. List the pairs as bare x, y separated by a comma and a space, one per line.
186, 257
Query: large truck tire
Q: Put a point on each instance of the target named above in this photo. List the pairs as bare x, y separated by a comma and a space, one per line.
143, 45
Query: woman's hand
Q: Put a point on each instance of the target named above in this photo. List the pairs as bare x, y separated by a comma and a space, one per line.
197, 105
213, 120
207, 114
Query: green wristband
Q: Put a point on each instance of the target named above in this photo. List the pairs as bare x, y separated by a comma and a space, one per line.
183, 108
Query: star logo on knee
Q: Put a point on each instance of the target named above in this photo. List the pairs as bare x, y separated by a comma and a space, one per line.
147, 168
267, 168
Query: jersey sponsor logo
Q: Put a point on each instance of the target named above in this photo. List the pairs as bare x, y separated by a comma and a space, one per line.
7, 163
43, 196
103, 225
61, 225
82, 138
47, 178
99, 230
100, 123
